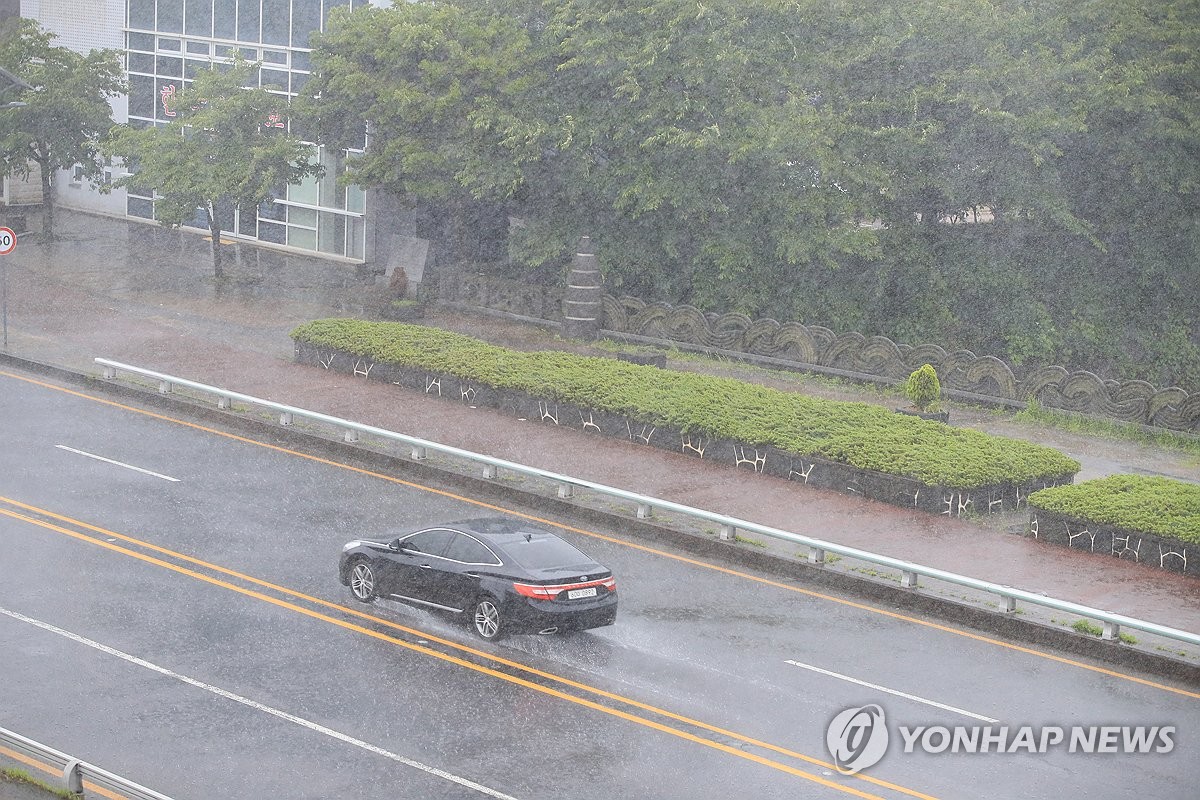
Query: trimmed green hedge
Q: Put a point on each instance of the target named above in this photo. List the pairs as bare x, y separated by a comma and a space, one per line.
859, 434
1159, 506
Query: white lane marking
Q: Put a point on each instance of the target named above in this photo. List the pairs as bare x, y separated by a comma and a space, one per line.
879, 688
117, 463
408, 762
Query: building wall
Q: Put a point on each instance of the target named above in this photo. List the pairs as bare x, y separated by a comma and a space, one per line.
165, 42
81, 25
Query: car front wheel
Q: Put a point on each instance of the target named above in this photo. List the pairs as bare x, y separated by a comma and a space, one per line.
487, 622
362, 581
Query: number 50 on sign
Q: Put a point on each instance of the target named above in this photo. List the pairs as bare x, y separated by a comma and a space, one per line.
8, 241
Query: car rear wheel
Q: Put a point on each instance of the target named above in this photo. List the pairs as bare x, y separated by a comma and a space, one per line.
362, 581
486, 620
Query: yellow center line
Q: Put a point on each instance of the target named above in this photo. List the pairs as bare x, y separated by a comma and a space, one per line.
461, 662
643, 548
445, 642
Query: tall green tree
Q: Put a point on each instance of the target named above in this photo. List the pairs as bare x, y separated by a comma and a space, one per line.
427, 91
226, 143
66, 113
816, 159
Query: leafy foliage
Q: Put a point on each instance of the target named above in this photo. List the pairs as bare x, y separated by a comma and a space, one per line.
219, 147
859, 434
813, 160
1155, 505
923, 387
66, 112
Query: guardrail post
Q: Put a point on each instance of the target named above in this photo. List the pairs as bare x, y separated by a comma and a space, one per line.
816, 556
1010, 604
164, 387
419, 453
224, 403
110, 373
908, 580
644, 511
285, 418
565, 490
489, 471
1111, 631
728, 533
351, 435
72, 778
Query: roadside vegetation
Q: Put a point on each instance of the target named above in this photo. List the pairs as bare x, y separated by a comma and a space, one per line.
1110, 429
859, 434
15, 775
1148, 504
1015, 179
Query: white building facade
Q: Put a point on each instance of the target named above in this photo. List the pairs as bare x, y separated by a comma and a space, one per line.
165, 42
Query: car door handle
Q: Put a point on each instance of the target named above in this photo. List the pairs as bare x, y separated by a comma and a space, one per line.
471, 574
426, 566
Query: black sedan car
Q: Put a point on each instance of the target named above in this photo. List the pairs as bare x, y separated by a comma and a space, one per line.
504, 575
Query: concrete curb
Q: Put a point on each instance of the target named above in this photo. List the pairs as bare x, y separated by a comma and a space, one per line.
1013, 628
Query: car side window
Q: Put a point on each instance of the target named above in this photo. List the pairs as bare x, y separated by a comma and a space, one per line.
470, 550
430, 543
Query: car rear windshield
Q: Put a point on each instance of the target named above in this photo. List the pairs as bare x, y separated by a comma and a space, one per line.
544, 552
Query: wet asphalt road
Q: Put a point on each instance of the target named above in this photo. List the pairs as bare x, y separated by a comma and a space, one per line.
191, 635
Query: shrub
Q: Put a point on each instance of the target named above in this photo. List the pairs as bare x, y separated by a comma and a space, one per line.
865, 436
923, 388
1155, 505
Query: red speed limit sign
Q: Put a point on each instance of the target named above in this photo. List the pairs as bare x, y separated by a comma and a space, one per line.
8, 241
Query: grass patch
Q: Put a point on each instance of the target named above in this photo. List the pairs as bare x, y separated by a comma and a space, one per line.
1109, 429
1149, 504
860, 435
17, 775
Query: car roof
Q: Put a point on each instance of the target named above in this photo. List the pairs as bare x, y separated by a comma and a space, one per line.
497, 529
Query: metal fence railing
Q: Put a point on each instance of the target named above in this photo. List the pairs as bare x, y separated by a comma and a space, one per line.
1009, 597
76, 772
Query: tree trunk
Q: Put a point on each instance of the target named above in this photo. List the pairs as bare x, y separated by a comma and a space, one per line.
47, 203
214, 228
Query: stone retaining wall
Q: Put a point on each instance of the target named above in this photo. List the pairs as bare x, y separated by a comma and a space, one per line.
1111, 540
810, 471
985, 378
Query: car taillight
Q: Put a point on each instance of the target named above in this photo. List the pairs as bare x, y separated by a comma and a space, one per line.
551, 592
537, 592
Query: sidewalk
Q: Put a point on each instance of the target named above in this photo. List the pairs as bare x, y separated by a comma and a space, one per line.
146, 297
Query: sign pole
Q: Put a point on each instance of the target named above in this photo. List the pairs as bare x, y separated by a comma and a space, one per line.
8, 243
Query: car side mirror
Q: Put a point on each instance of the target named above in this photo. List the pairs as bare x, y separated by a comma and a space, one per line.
394, 545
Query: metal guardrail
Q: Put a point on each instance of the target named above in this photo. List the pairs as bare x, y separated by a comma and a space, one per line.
75, 772
818, 549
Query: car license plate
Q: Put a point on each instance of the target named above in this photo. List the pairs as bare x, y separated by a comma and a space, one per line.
575, 594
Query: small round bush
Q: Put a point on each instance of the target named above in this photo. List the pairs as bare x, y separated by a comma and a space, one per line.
923, 388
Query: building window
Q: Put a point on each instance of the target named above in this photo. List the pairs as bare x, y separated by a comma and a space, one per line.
198, 18
141, 96
272, 232
141, 62
141, 14
139, 207
276, 21
247, 21
141, 41
170, 16
224, 19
